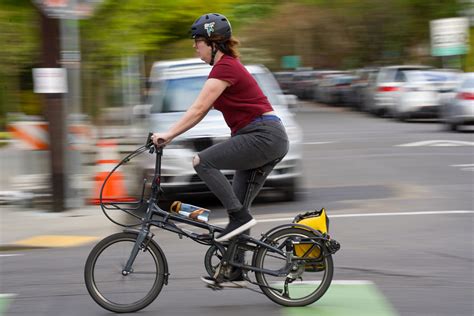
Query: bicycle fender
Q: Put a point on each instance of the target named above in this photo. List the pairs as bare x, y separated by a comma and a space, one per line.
149, 239
292, 225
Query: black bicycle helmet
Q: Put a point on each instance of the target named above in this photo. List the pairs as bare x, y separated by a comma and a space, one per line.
211, 25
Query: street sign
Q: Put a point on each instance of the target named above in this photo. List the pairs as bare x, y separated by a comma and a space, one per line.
291, 61
449, 37
67, 9
50, 80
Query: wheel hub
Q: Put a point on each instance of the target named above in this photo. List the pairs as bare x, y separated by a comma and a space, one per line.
296, 271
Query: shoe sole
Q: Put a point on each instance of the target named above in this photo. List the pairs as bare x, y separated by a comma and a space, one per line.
208, 282
237, 231
226, 284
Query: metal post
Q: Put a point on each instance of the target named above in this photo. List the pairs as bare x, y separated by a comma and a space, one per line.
70, 59
54, 111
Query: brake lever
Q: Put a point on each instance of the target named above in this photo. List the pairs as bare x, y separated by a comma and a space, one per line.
149, 141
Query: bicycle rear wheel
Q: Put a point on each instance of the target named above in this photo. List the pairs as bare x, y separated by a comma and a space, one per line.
124, 293
308, 280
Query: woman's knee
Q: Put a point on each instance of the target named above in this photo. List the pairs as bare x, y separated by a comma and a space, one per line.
196, 160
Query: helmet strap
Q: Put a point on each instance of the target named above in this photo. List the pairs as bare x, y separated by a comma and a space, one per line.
213, 54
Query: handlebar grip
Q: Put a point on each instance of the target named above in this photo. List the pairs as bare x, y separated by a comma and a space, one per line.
149, 142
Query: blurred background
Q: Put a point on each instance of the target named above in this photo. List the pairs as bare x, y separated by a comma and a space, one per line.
377, 98
355, 54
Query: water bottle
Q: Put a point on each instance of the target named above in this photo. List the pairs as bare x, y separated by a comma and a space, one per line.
194, 212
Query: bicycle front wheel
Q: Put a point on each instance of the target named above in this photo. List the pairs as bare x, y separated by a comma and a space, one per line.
309, 278
124, 293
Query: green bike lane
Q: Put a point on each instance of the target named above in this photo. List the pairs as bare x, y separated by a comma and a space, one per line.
343, 298
5, 300
347, 298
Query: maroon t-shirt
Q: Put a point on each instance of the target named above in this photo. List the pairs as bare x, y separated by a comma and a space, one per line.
243, 100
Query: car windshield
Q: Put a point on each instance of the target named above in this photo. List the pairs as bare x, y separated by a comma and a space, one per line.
176, 95
393, 74
430, 76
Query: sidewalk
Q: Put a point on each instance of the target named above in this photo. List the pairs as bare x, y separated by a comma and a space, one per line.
22, 228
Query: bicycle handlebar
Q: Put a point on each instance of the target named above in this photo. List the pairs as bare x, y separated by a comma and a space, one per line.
149, 142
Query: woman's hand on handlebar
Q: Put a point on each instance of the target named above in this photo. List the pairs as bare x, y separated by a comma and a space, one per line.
161, 139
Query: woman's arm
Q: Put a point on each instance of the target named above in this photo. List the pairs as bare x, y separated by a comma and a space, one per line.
212, 89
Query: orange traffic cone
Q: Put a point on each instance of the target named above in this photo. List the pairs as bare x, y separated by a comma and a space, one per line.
114, 190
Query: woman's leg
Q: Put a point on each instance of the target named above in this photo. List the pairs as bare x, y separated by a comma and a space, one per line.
255, 147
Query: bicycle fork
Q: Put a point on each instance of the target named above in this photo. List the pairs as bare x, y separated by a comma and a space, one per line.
142, 235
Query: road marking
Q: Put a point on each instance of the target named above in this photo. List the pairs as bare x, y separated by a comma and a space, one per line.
10, 255
333, 282
464, 167
53, 241
317, 143
437, 143
5, 301
289, 219
357, 297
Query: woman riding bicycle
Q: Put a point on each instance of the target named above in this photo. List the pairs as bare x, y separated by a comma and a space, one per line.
258, 139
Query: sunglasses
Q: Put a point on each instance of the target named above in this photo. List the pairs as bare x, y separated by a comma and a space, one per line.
197, 40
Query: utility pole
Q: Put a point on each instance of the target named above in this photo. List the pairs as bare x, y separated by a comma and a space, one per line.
54, 111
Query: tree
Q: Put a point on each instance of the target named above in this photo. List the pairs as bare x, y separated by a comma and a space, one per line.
20, 42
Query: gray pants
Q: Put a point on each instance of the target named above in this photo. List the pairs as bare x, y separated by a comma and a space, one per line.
257, 145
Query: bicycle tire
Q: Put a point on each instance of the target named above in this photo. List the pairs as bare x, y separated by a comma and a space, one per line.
268, 283
108, 258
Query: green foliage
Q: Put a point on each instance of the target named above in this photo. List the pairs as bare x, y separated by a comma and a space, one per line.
470, 56
325, 33
19, 38
350, 33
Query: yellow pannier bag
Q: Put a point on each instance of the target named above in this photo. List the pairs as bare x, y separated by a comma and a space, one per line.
317, 220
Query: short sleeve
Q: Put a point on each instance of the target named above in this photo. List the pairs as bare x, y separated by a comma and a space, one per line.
225, 71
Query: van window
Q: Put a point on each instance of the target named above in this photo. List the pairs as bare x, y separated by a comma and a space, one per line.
176, 95
269, 87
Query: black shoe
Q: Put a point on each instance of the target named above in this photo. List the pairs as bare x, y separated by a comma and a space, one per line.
239, 222
211, 282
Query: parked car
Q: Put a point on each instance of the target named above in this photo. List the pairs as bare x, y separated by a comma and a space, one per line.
320, 84
341, 90
174, 86
459, 110
361, 93
386, 87
421, 92
303, 84
285, 80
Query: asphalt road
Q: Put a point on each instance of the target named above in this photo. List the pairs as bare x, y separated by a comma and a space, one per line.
400, 197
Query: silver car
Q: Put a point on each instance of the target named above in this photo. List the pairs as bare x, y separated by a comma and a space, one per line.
174, 87
387, 87
460, 109
421, 93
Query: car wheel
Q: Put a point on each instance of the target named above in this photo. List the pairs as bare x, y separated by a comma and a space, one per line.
453, 127
289, 192
402, 117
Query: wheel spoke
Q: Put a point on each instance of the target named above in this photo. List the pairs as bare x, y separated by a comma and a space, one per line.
292, 290
115, 291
